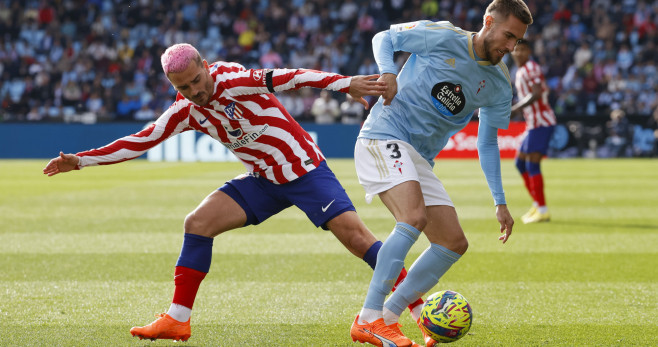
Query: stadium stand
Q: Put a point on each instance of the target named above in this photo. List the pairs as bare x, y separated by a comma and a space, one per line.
98, 60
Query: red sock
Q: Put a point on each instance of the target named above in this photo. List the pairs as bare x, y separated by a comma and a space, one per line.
403, 274
187, 284
528, 184
538, 188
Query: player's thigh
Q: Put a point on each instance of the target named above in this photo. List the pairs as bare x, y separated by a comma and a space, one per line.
405, 201
217, 213
383, 164
443, 228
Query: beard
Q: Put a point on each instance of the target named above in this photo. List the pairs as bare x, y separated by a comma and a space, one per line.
492, 58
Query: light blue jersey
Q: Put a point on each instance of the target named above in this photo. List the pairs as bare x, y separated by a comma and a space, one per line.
442, 83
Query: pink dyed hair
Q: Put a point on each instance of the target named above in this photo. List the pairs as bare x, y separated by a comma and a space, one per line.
178, 57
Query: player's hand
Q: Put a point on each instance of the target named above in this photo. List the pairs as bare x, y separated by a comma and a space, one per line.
391, 87
506, 222
63, 163
361, 86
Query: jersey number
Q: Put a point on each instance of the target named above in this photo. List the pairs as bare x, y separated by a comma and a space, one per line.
395, 149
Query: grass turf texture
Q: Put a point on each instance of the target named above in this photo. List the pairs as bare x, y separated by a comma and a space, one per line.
87, 255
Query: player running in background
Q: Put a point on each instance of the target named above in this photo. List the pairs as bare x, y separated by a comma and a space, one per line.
540, 121
285, 167
450, 74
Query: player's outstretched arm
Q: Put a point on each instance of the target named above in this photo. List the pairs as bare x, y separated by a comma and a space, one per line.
506, 222
361, 86
63, 163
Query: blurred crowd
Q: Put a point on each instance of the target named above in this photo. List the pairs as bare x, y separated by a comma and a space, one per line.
99, 60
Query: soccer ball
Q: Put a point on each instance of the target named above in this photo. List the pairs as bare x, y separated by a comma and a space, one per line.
446, 316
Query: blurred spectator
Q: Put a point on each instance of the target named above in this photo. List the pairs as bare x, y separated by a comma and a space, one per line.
292, 102
145, 113
108, 47
325, 108
619, 132
352, 111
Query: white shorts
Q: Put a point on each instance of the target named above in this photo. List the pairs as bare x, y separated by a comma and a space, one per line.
383, 164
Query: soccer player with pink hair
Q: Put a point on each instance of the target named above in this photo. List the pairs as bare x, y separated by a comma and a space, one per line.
237, 107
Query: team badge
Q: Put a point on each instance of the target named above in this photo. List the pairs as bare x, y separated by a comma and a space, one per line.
398, 165
232, 111
448, 98
481, 87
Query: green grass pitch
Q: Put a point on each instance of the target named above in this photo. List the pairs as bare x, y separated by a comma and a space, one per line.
87, 255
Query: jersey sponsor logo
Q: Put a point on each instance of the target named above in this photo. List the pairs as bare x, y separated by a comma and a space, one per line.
242, 139
448, 98
451, 62
204, 120
237, 133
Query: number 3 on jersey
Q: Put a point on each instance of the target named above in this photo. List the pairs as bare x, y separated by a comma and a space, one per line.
395, 150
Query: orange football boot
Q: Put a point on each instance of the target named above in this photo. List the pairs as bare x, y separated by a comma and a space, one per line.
378, 333
164, 327
396, 327
429, 342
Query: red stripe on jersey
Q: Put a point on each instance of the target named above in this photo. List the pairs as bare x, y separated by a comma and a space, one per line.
297, 167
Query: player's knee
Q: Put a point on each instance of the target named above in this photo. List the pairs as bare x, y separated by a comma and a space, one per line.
195, 225
461, 246
457, 244
417, 220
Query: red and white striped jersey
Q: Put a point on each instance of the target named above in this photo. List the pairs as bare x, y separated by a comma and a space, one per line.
539, 113
244, 116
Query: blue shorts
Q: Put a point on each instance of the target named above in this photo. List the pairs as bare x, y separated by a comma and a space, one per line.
537, 140
317, 193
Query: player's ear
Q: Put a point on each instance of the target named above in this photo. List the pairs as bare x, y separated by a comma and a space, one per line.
488, 20
205, 64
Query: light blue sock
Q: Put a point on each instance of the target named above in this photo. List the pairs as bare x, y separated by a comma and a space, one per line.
390, 261
422, 276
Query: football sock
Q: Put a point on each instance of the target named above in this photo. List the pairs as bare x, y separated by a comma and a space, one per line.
390, 262
390, 317
403, 275
371, 255
415, 312
521, 165
371, 259
537, 181
423, 275
192, 266
179, 312
196, 252
368, 315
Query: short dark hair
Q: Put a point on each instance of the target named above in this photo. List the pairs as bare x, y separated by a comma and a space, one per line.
517, 8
